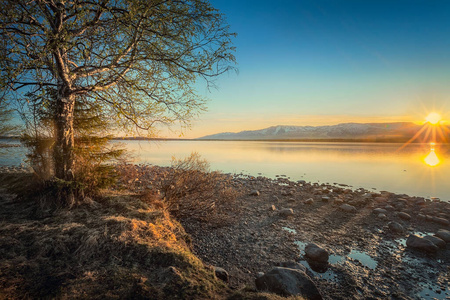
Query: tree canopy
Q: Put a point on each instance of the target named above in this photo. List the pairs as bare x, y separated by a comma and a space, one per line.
137, 60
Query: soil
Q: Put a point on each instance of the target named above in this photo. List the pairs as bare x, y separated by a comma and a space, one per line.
367, 260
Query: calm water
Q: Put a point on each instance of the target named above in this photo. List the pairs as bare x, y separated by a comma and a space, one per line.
378, 166
371, 166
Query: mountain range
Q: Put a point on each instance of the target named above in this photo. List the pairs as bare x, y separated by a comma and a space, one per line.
365, 131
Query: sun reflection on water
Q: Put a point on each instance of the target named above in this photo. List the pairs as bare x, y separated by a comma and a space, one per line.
431, 159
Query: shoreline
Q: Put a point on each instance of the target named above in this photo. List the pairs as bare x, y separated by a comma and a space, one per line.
276, 218
370, 258
304, 140
404, 175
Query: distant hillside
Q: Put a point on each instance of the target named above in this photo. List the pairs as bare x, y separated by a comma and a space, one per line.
369, 131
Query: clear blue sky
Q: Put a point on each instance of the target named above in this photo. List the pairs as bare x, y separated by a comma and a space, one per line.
317, 62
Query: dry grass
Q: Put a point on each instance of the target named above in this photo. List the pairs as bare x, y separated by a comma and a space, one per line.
122, 246
117, 247
190, 190
187, 189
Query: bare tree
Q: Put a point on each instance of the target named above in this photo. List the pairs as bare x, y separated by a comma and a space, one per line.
137, 60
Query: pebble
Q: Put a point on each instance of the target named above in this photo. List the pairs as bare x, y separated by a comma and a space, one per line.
444, 235
378, 211
254, 193
404, 216
221, 273
309, 201
316, 253
382, 216
347, 208
396, 227
380, 199
325, 199
441, 221
286, 212
338, 201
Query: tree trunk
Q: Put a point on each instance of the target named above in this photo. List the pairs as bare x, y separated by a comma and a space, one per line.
64, 145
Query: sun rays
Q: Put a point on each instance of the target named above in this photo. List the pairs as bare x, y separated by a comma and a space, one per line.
433, 118
433, 131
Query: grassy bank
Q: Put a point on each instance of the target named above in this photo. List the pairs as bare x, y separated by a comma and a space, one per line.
119, 246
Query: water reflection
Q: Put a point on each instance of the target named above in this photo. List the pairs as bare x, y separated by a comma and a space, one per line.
431, 159
369, 165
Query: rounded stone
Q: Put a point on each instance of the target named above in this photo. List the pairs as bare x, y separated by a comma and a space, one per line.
316, 253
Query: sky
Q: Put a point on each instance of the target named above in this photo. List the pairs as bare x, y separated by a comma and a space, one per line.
324, 62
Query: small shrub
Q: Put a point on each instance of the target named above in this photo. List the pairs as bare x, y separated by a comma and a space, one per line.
128, 175
40, 155
93, 164
190, 190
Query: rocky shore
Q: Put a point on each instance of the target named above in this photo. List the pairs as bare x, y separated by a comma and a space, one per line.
377, 244
352, 244
380, 245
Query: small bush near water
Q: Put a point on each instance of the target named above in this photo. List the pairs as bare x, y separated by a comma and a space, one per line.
191, 190
187, 189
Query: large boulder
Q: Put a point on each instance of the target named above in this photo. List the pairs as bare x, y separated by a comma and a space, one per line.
421, 244
316, 253
288, 282
291, 265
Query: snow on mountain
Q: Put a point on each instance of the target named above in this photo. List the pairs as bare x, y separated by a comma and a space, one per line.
340, 131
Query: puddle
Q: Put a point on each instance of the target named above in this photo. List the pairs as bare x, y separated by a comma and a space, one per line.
335, 259
290, 230
401, 242
420, 233
355, 255
301, 246
363, 258
434, 292
327, 273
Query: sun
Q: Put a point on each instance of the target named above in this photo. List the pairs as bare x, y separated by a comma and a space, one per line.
433, 118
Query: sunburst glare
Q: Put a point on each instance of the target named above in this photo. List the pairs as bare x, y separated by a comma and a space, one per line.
433, 118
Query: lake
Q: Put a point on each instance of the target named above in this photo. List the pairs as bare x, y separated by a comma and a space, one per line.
374, 166
368, 165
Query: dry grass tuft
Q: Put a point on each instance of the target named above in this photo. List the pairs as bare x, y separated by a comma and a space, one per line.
187, 189
190, 190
